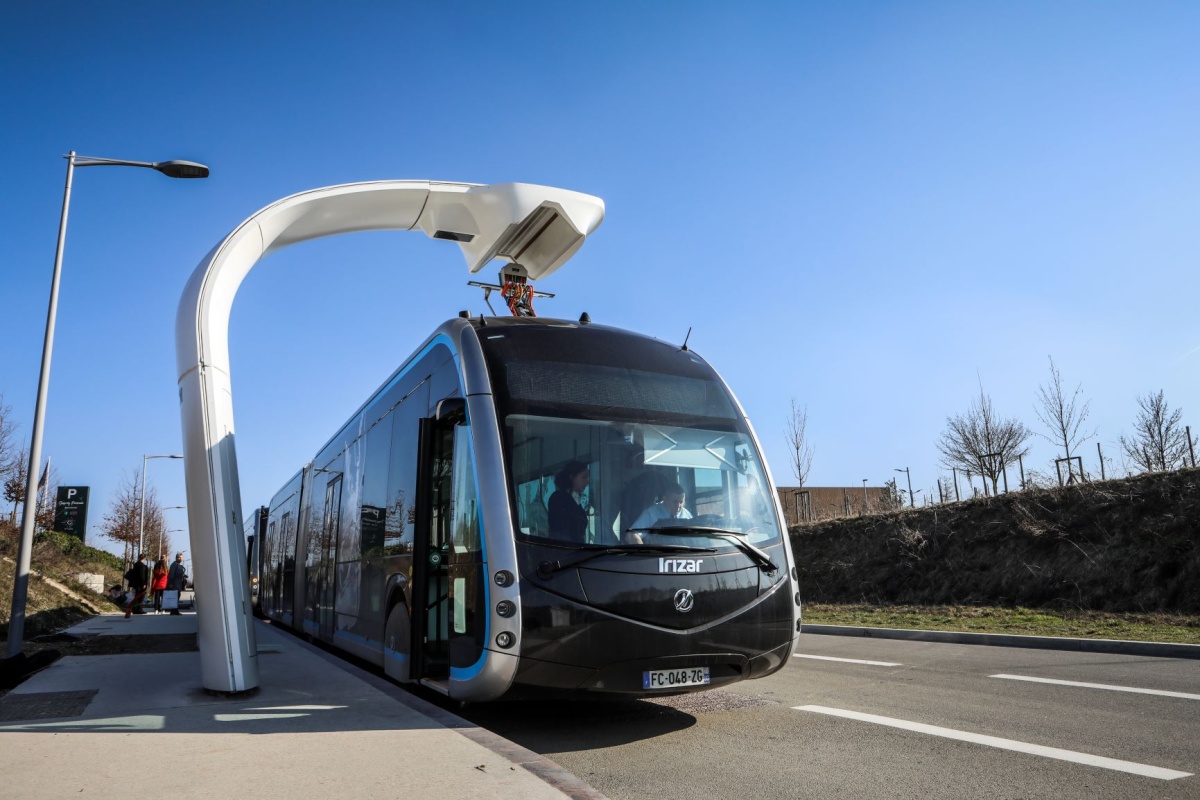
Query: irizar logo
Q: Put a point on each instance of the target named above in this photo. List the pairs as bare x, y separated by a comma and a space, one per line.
679, 564
684, 600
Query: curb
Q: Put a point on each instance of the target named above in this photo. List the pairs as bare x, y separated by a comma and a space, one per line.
1113, 646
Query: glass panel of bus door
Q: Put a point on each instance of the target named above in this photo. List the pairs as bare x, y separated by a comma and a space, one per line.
465, 556
431, 545
325, 571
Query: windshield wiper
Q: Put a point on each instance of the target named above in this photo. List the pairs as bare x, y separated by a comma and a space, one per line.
737, 539
548, 568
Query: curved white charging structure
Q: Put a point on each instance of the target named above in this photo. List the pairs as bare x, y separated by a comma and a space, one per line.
538, 227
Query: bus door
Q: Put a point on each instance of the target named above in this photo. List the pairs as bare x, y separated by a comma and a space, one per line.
330, 525
446, 567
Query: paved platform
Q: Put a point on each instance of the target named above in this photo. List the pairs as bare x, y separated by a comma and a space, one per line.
99, 726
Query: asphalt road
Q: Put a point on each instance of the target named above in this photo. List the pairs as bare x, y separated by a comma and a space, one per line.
835, 728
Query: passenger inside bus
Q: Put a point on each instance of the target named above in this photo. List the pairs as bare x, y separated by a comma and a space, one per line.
568, 517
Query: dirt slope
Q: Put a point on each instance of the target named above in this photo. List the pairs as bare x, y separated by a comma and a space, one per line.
54, 601
1129, 545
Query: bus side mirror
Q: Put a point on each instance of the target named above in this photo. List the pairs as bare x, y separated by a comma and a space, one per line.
450, 408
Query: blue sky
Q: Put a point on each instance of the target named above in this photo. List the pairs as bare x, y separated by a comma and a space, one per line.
870, 207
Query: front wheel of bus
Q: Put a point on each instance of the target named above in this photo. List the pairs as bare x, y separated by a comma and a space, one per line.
397, 643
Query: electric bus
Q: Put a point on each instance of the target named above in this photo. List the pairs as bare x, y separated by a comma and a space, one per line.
422, 537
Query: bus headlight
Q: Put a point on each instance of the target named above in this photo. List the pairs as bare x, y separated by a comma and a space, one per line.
505, 639
504, 578
506, 608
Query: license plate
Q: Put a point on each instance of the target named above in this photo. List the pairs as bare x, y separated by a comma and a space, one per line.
672, 678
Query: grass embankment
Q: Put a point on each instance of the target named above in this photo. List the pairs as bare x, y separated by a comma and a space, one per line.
57, 556
1174, 628
1117, 560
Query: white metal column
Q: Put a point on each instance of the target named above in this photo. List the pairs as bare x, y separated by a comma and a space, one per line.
538, 227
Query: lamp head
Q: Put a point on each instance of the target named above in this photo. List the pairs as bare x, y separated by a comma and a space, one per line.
181, 169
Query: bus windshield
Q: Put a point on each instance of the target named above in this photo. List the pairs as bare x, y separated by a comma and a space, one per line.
600, 483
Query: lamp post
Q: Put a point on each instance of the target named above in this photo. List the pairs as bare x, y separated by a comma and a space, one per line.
161, 532
142, 505
174, 530
911, 503
172, 169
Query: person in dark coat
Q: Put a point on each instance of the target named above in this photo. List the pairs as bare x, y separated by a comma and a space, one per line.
568, 518
138, 577
177, 578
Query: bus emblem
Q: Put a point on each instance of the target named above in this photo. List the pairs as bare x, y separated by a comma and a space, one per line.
684, 600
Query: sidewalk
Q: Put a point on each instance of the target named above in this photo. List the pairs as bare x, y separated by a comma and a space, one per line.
317, 726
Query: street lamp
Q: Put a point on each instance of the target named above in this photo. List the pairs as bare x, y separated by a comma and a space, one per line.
161, 532
142, 505
172, 530
911, 502
172, 169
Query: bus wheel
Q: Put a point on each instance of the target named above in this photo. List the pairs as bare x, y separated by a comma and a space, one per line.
397, 642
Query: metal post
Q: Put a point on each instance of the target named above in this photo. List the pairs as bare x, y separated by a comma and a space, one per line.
162, 532
173, 169
911, 503
142, 512
142, 504
16, 624
1021, 463
864, 495
954, 472
1191, 449
1100, 453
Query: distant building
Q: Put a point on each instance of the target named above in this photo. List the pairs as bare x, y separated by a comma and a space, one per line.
813, 503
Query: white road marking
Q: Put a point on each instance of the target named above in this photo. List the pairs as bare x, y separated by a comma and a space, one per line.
296, 708
1109, 686
145, 722
253, 717
1131, 767
849, 660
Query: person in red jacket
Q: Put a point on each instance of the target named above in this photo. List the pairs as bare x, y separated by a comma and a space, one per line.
158, 582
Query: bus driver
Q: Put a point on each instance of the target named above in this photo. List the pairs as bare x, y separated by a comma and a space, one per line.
669, 508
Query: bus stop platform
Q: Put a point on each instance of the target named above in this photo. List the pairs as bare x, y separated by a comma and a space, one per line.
115, 726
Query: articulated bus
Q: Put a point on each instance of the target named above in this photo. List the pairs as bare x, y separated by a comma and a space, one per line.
530, 503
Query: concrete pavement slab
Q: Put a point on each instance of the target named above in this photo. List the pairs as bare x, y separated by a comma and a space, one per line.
315, 727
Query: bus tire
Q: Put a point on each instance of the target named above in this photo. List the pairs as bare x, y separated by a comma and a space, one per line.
397, 642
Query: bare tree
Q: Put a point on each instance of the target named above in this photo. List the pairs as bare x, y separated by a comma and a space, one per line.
982, 442
122, 523
15, 480
1159, 442
1063, 417
893, 496
797, 438
7, 428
